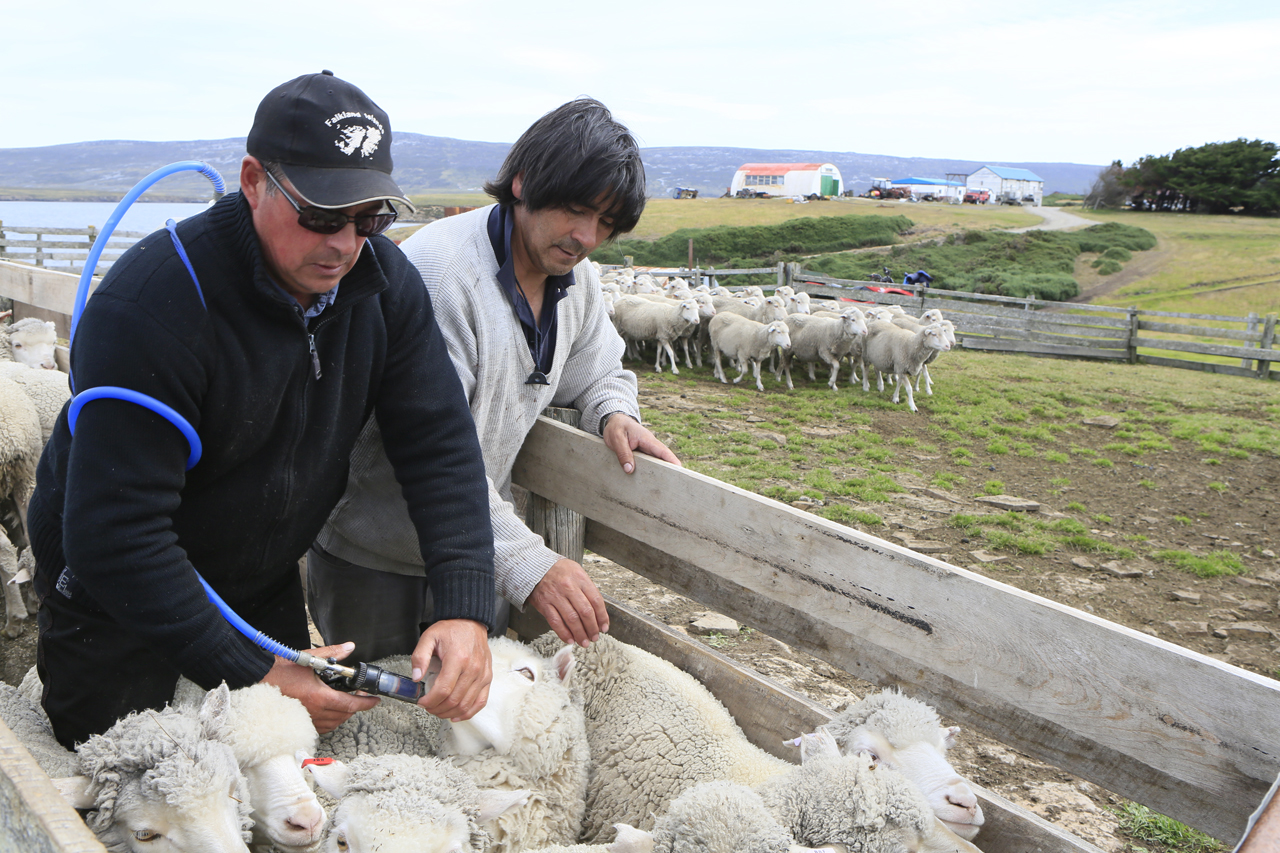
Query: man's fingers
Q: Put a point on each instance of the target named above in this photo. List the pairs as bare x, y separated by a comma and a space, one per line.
337, 651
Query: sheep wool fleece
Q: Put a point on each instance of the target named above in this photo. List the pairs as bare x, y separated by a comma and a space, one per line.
278, 401
370, 526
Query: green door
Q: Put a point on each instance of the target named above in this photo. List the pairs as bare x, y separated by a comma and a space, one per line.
830, 186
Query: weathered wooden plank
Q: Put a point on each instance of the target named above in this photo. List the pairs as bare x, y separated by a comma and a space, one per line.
1198, 347
768, 713
562, 529
1190, 736
91, 230
1201, 331
1205, 366
1039, 344
48, 289
1041, 323
34, 818
61, 244
952, 309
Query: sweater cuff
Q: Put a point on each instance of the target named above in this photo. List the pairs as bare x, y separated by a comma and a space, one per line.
227, 656
463, 594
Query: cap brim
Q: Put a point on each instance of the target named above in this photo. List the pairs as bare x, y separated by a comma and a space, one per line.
337, 188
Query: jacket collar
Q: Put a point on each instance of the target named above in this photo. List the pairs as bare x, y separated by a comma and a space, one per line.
234, 218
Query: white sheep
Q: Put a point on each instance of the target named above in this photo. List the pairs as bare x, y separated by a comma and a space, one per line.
21, 442
49, 390
933, 315
29, 723
270, 735
655, 731
799, 303
642, 320
821, 339
850, 801
900, 352
31, 342
161, 781
720, 817
16, 609
746, 342
407, 804
905, 734
530, 735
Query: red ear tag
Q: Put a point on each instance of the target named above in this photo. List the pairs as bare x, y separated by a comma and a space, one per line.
318, 762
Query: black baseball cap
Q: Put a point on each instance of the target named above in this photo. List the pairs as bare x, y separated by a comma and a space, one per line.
331, 140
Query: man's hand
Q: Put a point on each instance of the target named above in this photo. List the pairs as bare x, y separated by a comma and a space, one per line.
570, 602
623, 434
461, 687
328, 708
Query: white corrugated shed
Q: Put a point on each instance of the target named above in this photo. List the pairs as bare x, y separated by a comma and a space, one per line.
1005, 182
788, 179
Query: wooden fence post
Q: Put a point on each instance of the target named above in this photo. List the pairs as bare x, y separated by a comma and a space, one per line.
562, 529
782, 274
39, 250
1267, 342
1252, 326
1132, 342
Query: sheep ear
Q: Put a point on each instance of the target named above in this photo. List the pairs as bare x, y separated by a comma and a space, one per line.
631, 840
819, 744
214, 711
564, 664
331, 777
949, 736
495, 803
75, 790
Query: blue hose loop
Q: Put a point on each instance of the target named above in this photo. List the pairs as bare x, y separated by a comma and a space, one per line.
259, 639
114, 392
82, 296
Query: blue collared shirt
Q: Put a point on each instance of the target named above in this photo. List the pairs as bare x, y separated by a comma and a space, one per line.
540, 336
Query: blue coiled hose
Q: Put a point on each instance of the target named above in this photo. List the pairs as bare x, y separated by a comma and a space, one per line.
167, 412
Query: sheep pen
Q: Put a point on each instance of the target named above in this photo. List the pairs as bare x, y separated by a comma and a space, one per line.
1179, 485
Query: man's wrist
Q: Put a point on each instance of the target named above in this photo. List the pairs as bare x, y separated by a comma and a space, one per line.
604, 421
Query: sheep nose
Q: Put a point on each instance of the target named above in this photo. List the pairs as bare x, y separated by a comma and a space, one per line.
306, 818
962, 797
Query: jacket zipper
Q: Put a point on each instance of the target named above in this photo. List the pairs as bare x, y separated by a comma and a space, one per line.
315, 356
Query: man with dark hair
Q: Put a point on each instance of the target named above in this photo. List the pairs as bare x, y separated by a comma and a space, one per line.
523, 316
303, 325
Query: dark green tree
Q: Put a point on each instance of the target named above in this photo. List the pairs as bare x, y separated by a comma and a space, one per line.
1241, 176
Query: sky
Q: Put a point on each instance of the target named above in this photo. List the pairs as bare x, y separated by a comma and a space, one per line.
1003, 81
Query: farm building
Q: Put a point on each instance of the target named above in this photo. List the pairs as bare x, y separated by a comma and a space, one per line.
1008, 184
801, 179
948, 190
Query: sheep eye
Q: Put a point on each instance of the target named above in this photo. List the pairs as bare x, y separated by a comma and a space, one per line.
342, 842
526, 672
146, 835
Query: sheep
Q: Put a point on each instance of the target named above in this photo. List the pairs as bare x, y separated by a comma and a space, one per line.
407, 804
48, 389
641, 320
933, 315
270, 735
900, 352
21, 442
720, 817
849, 800
31, 342
629, 840
799, 303
905, 734
24, 716
746, 342
655, 731
161, 781
820, 339
530, 735
786, 291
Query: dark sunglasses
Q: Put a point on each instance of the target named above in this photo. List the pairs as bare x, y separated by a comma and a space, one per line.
323, 221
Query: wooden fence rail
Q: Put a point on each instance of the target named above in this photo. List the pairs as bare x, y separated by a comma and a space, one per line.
1182, 733
74, 252
1076, 330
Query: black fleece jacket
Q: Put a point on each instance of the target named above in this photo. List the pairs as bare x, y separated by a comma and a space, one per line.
276, 436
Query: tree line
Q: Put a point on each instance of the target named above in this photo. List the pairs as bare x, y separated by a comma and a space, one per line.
1241, 176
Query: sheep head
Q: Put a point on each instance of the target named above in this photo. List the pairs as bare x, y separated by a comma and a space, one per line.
906, 735
32, 342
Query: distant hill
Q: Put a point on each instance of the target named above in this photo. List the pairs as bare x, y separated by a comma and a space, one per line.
435, 163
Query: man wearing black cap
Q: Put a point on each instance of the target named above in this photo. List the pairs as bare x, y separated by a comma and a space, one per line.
303, 324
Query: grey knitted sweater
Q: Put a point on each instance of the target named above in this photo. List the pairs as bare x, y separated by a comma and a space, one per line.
370, 526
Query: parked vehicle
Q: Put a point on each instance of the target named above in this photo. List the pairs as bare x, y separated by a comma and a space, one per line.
977, 196
684, 192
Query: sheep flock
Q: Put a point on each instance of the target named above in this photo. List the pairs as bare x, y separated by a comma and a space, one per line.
607, 749
786, 328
